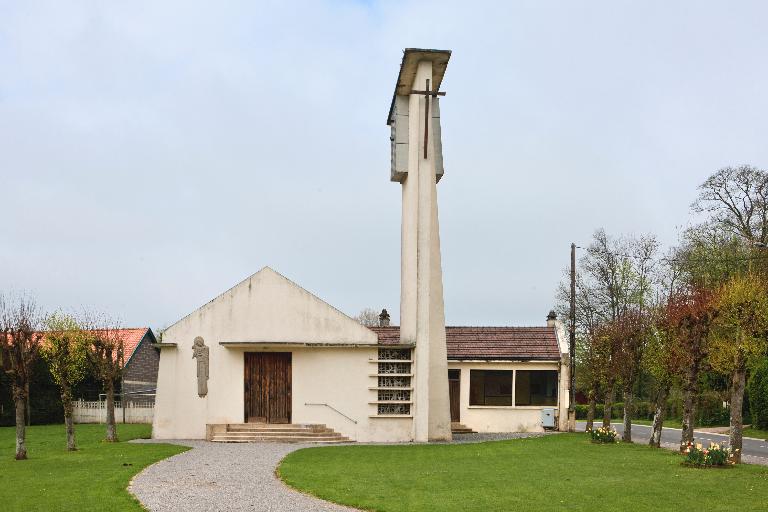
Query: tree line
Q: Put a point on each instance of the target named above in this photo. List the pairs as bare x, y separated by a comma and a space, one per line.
73, 347
682, 319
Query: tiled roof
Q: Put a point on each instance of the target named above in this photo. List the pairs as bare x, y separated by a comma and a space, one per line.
518, 343
131, 339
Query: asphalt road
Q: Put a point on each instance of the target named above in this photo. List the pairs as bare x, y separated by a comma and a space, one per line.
753, 450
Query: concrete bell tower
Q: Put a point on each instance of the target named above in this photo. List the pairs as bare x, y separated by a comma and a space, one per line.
417, 163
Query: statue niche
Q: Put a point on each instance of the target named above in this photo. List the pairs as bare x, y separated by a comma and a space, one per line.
200, 352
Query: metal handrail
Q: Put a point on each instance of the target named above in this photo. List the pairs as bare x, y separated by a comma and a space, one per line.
335, 409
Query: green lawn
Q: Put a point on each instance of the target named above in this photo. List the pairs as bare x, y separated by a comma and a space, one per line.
556, 472
753, 432
673, 423
93, 478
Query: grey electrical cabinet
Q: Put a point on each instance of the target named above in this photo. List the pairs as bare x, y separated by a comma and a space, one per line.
548, 418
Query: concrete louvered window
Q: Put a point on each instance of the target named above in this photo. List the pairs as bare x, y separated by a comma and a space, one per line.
393, 375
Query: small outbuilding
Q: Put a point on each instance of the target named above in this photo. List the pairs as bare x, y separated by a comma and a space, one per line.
503, 379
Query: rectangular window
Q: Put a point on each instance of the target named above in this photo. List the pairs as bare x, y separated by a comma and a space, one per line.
490, 387
536, 387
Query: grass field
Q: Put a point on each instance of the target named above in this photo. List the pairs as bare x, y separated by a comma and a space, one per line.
753, 432
556, 472
92, 479
675, 423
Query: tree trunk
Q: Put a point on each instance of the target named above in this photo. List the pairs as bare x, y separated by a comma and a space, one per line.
737, 402
626, 436
27, 405
21, 425
591, 409
690, 390
658, 416
111, 428
66, 400
608, 405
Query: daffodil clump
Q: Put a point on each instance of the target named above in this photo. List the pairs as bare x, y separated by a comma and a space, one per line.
715, 455
603, 435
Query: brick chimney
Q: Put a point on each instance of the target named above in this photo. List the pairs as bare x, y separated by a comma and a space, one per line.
384, 318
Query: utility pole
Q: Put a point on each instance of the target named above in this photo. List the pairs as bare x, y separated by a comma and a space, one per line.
572, 344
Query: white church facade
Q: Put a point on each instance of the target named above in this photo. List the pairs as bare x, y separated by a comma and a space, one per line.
280, 355
267, 356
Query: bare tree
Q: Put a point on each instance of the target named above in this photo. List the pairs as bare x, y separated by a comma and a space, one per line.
19, 343
107, 355
736, 199
591, 367
369, 317
616, 278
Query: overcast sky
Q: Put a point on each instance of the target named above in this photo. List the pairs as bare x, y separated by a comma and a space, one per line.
154, 154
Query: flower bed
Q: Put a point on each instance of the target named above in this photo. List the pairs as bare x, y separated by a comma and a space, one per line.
716, 456
603, 435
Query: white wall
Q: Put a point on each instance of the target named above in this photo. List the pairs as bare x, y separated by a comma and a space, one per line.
341, 378
338, 377
503, 418
269, 309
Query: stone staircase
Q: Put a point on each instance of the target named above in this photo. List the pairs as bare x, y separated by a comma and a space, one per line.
458, 428
275, 433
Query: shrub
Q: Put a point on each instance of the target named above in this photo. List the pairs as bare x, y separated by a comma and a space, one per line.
710, 411
603, 435
642, 410
758, 396
698, 456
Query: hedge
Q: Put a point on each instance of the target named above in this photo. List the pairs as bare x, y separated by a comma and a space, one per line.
709, 410
758, 396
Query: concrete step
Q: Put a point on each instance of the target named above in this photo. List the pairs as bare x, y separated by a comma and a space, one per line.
307, 433
459, 428
278, 431
220, 438
268, 426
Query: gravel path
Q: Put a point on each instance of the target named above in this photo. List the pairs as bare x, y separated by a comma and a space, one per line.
223, 477
237, 477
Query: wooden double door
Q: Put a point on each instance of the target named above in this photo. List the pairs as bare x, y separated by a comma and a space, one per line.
268, 387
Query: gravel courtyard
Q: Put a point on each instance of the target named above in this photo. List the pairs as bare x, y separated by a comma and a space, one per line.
235, 477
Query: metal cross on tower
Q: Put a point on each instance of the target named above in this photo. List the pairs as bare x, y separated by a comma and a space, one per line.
427, 93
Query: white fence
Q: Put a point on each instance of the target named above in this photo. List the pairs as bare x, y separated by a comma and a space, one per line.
96, 412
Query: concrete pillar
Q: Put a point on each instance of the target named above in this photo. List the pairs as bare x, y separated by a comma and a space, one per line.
422, 315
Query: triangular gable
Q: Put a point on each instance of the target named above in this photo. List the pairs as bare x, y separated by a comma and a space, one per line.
269, 308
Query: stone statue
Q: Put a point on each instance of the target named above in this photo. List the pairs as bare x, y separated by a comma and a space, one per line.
200, 352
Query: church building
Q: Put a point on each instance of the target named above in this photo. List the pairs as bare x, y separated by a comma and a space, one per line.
269, 360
